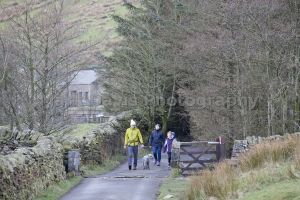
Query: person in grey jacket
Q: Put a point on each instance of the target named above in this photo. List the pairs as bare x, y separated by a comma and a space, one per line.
156, 140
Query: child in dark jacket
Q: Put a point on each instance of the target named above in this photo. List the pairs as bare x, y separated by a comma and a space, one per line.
168, 145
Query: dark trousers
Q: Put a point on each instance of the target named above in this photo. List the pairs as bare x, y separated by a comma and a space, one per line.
156, 150
132, 152
169, 158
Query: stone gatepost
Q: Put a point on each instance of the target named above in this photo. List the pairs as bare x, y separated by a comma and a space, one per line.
74, 161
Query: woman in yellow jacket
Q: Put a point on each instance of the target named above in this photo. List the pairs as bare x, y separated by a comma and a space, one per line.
133, 138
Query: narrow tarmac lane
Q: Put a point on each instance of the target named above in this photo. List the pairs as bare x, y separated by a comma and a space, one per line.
122, 184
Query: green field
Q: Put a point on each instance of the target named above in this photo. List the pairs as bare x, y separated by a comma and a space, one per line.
81, 130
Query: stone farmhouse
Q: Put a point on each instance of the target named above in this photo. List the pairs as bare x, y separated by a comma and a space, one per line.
84, 99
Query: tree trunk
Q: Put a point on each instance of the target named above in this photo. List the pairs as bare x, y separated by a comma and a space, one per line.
284, 114
44, 110
270, 118
297, 66
32, 76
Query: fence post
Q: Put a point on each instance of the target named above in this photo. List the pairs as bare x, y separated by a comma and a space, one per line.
220, 148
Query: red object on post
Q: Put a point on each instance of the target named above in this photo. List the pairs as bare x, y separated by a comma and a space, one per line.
220, 139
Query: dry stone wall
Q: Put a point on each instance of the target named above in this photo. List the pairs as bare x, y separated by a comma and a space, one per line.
28, 170
95, 147
241, 146
102, 147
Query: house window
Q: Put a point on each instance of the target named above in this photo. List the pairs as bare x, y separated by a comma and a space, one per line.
80, 97
86, 95
73, 98
73, 94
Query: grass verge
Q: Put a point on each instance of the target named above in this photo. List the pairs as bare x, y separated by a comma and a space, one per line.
91, 170
53, 192
173, 186
288, 189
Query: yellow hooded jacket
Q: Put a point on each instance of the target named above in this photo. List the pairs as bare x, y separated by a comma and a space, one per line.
133, 137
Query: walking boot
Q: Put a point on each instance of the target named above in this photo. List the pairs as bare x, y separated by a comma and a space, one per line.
134, 167
129, 167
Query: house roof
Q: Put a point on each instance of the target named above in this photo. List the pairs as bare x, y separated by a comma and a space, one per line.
84, 77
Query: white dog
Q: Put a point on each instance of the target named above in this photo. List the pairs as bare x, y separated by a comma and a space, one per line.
146, 161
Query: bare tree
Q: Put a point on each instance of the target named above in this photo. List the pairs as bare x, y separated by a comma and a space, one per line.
245, 51
45, 58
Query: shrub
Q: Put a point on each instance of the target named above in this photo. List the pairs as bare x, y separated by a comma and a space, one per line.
297, 157
294, 171
270, 151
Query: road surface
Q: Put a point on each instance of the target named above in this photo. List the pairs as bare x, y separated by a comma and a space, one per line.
122, 184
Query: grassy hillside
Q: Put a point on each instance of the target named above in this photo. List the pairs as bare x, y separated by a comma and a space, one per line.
270, 171
92, 19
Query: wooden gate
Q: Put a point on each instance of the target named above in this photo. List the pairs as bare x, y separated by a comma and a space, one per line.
198, 155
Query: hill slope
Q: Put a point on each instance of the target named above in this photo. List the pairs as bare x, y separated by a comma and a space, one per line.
92, 19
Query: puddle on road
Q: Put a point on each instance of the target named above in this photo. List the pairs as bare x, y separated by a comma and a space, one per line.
128, 177
131, 176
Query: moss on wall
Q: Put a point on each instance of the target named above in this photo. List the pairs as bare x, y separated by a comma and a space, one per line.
28, 170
